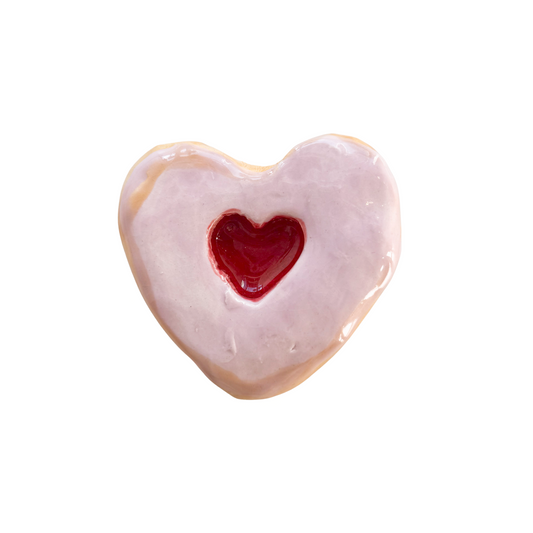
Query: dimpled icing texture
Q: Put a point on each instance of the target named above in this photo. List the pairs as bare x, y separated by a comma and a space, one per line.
253, 258
259, 314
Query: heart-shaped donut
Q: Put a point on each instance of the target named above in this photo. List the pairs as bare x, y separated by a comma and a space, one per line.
260, 274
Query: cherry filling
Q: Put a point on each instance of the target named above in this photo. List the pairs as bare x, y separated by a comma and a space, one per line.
253, 258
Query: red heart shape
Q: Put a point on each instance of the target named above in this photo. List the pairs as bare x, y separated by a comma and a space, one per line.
254, 258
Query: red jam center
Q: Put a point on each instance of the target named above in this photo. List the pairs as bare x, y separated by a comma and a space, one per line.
253, 258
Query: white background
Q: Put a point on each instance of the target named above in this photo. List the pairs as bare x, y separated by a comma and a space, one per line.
422, 423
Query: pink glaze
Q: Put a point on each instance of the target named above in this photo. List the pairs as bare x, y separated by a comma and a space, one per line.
347, 200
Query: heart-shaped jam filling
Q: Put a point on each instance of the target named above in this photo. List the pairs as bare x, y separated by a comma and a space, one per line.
255, 258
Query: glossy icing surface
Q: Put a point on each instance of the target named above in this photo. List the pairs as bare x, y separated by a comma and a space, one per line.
345, 197
254, 259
